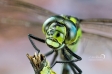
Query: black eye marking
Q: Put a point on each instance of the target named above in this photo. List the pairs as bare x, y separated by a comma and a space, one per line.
58, 34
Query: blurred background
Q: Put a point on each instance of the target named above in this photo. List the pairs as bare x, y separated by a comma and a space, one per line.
19, 18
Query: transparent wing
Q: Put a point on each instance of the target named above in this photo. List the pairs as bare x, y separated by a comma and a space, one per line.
21, 16
97, 35
96, 45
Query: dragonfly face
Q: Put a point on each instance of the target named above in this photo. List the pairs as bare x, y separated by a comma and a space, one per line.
60, 31
55, 35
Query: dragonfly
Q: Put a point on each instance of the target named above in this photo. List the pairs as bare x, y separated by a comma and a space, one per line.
62, 34
95, 31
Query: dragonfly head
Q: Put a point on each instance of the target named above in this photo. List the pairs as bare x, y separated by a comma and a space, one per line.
59, 31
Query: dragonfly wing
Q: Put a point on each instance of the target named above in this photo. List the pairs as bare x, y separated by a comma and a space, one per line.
22, 17
100, 27
97, 35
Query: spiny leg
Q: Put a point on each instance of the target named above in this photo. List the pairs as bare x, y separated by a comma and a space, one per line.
49, 53
76, 56
73, 65
73, 54
54, 57
67, 58
36, 38
62, 62
40, 40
